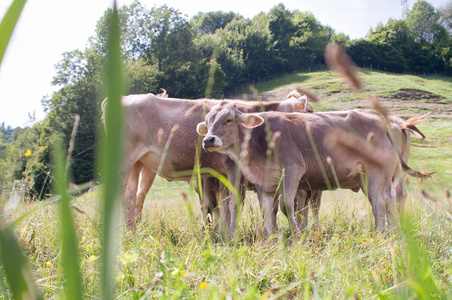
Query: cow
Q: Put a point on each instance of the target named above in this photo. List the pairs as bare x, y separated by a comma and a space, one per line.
302, 160
160, 138
401, 131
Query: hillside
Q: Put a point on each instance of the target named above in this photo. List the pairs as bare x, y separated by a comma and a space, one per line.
404, 95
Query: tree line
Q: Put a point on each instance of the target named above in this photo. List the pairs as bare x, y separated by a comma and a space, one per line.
164, 49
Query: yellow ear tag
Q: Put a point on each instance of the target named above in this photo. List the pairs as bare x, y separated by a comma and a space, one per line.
301, 106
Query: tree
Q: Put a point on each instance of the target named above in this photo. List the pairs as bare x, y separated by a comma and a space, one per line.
281, 27
79, 73
308, 41
229, 74
208, 23
423, 21
363, 52
445, 16
141, 77
251, 45
394, 45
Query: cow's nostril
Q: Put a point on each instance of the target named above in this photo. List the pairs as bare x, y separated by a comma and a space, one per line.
209, 141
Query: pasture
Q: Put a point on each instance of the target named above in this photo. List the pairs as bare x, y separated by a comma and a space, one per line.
170, 257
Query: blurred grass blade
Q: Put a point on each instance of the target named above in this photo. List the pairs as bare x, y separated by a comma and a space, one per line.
2, 285
418, 263
8, 23
14, 263
111, 156
15, 266
70, 254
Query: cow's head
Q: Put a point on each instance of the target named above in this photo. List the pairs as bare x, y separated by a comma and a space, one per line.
222, 126
295, 102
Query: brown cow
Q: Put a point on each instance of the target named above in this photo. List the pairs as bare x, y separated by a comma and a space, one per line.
294, 164
401, 131
213, 190
152, 123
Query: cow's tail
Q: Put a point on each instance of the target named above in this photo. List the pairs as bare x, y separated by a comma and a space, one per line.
414, 173
406, 169
163, 94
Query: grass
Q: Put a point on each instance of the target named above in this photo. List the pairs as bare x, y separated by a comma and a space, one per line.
375, 83
169, 257
434, 153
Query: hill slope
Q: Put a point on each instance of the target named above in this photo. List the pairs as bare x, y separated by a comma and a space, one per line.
404, 95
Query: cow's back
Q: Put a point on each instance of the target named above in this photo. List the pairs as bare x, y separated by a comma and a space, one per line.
302, 142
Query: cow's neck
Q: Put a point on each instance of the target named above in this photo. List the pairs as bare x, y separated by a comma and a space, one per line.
249, 156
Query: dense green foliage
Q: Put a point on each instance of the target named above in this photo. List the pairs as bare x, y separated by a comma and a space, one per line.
162, 49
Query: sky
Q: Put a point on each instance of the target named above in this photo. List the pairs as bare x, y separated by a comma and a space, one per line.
48, 28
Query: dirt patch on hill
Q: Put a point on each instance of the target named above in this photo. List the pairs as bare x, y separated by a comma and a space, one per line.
414, 95
405, 102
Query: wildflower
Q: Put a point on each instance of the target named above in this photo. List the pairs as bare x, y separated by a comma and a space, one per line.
203, 285
49, 264
28, 153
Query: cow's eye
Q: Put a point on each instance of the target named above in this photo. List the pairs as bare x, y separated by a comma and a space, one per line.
228, 121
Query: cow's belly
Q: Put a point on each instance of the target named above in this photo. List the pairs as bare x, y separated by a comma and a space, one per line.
178, 168
316, 181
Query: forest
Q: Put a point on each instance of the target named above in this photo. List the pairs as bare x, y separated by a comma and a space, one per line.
161, 48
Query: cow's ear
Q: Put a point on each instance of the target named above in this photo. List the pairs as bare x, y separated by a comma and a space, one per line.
251, 120
308, 107
201, 128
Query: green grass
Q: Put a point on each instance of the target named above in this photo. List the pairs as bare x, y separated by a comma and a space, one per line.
169, 257
434, 153
375, 83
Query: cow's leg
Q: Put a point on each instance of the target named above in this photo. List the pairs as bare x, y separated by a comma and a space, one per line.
287, 200
209, 202
130, 192
314, 203
382, 198
204, 202
391, 203
301, 208
400, 191
224, 203
236, 179
289, 190
269, 207
146, 180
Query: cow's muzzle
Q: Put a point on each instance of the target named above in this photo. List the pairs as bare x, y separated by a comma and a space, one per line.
210, 142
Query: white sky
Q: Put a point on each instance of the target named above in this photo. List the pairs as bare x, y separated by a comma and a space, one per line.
47, 28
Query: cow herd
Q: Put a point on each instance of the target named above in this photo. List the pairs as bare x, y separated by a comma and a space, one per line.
283, 150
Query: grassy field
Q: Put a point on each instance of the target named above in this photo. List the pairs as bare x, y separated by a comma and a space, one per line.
170, 257
375, 83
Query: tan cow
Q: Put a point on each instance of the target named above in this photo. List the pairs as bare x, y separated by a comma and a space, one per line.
401, 131
155, 123
294, 164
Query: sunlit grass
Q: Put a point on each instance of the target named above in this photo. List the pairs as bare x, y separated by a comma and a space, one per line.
169, 255
375, 83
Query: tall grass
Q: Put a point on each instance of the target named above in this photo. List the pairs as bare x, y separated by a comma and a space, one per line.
110, 157
14, 263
